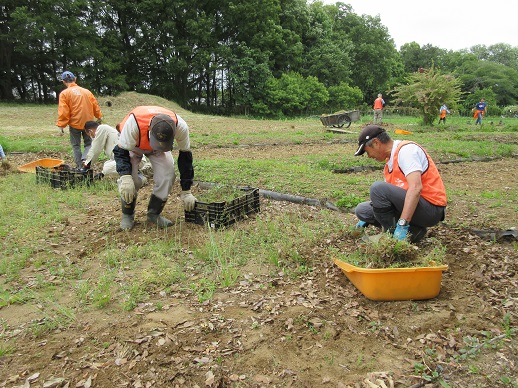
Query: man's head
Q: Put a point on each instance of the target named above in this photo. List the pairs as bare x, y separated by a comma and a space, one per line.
366, 135
91, 127
161, 132
68, 77
380, 95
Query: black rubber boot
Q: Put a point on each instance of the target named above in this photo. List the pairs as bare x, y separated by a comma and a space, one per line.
386, 217
128, 214
155, 207
416, 233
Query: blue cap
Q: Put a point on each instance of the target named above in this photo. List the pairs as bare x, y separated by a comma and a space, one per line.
68, 76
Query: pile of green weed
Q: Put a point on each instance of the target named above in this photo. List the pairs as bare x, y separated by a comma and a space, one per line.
389, 252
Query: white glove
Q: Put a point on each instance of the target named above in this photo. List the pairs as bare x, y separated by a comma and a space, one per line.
127, 188
188, 200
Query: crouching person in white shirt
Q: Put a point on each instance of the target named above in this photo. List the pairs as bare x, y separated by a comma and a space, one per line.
105, 138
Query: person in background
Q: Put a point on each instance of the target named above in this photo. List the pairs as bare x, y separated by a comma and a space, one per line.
412, 197
105, 138
151, 131
77, 105
442, 113
2, 153
480, 110
379, 103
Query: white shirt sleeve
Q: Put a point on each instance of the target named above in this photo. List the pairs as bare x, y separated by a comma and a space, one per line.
130, 134
182, 135
97, 146
412, 158
105, 139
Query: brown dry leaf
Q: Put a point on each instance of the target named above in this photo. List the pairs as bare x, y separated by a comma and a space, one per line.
262, 379
53, 382
209, 378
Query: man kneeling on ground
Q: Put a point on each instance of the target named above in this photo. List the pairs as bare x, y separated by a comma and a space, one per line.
412, 197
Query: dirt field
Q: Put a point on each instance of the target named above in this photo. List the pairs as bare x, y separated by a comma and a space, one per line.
271, 330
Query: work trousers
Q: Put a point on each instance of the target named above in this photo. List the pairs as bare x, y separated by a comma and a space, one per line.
75, 141
386, 196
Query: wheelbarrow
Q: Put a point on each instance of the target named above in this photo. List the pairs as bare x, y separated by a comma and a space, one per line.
339, 119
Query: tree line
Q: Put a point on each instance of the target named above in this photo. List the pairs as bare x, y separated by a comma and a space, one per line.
260, 57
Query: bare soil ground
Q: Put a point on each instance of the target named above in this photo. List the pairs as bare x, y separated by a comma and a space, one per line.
273, 330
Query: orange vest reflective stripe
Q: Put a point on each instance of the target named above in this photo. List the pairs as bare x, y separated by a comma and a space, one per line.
433, 187
378, 103
143, 116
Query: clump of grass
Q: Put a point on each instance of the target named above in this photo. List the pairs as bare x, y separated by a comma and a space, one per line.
389, 252
220, 194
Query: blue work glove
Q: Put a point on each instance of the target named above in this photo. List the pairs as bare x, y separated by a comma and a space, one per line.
361, 224
401, 232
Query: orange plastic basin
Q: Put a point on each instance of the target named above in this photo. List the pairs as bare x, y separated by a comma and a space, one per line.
48, 163
395, 283
402, 132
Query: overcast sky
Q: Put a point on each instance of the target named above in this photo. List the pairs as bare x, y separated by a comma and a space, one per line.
451, 25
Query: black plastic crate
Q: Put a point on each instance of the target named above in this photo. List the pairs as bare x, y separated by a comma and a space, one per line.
62, 177
225, 213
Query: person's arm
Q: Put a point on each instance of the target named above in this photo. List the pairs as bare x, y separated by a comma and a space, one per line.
97, 109
185, 155
97, 147
129, 134
127, 142
63, 111
122, 160
415, 186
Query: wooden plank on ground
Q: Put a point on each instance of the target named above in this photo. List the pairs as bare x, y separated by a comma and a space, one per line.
338, 130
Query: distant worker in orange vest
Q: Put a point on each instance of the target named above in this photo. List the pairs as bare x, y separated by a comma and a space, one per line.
479, 110
379, 103
442, 113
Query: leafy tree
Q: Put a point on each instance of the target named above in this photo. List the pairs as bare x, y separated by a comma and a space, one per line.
483, 74
427, 90
293, 94
374, 56
344, 97
327, 53
415, 57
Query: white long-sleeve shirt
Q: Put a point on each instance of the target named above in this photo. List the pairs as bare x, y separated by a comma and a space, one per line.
106, 138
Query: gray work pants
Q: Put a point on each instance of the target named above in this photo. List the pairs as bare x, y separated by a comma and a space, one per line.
384, 195
163, 171
75, 141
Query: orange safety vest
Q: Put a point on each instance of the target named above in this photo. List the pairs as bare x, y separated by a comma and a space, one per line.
378, 103
433, 186
143, 115
443, 114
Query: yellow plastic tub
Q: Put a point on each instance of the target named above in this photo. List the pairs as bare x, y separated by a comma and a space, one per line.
395, 283
48, 163
402, 132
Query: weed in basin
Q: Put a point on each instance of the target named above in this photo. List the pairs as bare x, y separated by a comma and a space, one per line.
389, 252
